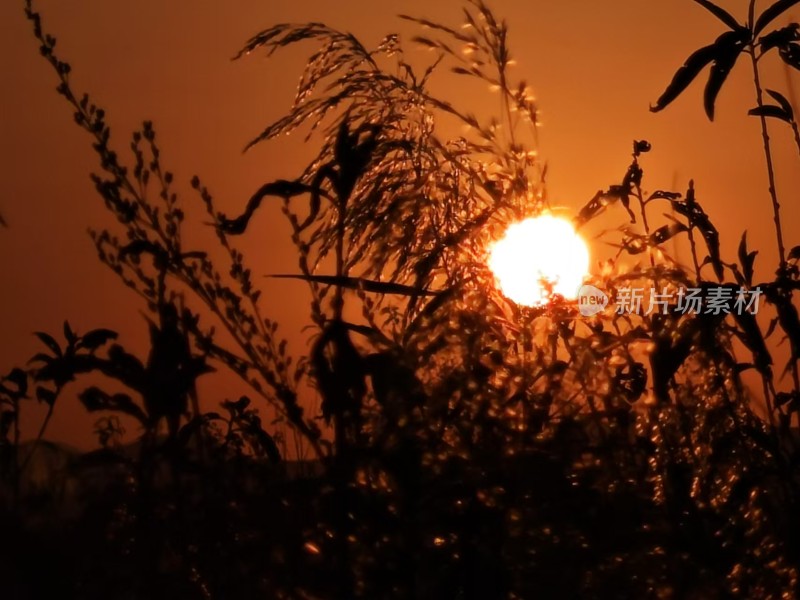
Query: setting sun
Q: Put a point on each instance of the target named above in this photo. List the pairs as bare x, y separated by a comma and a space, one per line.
538, 253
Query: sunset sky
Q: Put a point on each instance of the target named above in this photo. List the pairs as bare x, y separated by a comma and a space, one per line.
595, 68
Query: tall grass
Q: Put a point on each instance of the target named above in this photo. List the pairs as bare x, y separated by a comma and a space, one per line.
472, 448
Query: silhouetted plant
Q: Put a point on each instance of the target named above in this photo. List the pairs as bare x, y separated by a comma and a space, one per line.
481, 449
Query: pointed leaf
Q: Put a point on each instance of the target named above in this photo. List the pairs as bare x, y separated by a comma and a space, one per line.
685, 75
95, 399
768, 110
664, 195
267, 443
720, 13
70, 335
780, 37
20, 380
782, 100
771, 13
666, 232
359, 283
791, 55
728, 47
746, 259
280, 189
41, 357
49, 341
96, 338
46, 396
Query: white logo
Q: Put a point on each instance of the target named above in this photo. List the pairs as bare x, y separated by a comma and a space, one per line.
591, 301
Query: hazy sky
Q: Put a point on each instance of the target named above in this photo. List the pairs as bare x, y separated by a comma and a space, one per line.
595, 67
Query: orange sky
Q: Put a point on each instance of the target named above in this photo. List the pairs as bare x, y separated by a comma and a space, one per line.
595, 67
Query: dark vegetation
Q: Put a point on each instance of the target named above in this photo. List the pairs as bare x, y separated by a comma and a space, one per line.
466, 447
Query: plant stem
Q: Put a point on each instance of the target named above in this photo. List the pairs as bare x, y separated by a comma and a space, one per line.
39, 437
776, 208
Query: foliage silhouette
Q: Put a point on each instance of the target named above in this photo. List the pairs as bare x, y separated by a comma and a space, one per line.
476, 448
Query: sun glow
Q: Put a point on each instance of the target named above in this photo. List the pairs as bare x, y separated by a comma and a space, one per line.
539, 257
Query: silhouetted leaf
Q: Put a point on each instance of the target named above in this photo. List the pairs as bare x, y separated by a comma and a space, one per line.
20, 380
698, 219
45, 395
791, 55
728, 48
771, 328
794, 253
666, 232
771, 13
41, 357
754, 340
780, 37
280, 189
338, 370
50, 342
95, 399
359, 283
70, 335
768, 110
720, 13
7, 419
746, 259
783, 101
592, 208
96, 338
267, 443
787, 316
664, 195
685, 75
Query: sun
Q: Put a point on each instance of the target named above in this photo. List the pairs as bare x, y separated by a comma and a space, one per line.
536, 254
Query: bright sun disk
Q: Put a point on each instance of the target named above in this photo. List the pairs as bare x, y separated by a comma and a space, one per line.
536, 253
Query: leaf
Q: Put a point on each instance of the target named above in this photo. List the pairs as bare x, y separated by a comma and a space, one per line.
267, 443
665, 232
779, 38
791, 55
746, 259
280, 189
754, 340
768, 110
596, 205
41, 357
70, 335
794, 253
45, 395
96, 338
50, 342
771, 329
782, 100
663, 195
728, 48
20, 379
339, 372
699, 219
95, 399
7, 419
359, 283
685, 75
720, 13
771, 13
